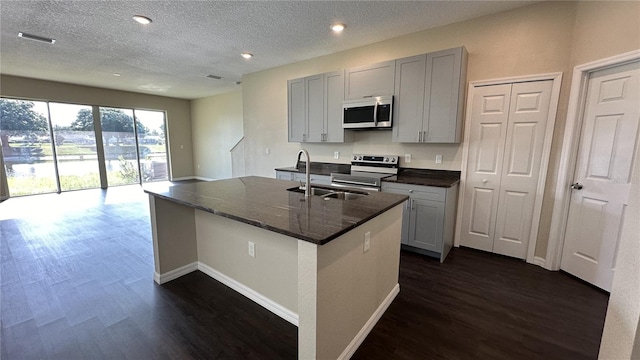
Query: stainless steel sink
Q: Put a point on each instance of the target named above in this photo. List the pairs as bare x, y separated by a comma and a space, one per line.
330, 193
344, 195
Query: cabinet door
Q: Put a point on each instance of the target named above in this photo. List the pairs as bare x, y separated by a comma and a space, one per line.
314, 87
405, 212
296, 110
409, 99
333, 98
370, 80
444, 95
425, 224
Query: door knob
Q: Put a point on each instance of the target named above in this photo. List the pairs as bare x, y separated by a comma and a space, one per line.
484, 181
576, 186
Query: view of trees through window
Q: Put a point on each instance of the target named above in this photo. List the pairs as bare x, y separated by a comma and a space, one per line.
50, 147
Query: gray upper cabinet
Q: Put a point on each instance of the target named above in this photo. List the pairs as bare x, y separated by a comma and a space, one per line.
429, 93
315, 108
369, 80
297, 110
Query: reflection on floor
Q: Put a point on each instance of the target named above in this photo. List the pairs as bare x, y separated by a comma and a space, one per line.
77, 270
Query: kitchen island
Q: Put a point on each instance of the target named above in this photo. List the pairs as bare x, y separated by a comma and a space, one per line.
327, 265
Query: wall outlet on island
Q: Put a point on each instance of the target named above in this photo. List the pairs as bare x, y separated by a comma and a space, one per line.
367, 241
252, 249
407, 158
336, 154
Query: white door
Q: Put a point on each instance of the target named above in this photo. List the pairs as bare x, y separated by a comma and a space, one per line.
503, 166
608, 144
490, 112
528, 114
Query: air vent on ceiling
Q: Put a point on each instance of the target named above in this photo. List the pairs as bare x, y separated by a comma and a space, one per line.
214, 77
37, 38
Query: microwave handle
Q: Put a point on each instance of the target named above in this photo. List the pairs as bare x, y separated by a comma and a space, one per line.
375, 114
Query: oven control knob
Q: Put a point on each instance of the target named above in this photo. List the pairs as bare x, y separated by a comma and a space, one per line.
386, 159
393, 160
355, 158
360, 158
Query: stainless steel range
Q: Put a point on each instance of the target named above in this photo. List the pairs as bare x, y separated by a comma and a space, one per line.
367, 172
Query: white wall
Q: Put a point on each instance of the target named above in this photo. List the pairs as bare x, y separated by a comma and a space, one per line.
623, 313
216, 128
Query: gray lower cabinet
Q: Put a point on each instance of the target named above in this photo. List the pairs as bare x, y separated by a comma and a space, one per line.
428, 219
296, 176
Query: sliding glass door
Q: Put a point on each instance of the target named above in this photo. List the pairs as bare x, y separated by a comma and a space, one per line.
120, 148
151, 145
26, 147
52, 147
75, 146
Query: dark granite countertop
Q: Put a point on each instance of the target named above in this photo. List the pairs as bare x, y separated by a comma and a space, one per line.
319, 168
425, 177
266, 203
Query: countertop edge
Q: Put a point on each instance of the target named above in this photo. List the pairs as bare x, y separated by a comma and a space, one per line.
275, 229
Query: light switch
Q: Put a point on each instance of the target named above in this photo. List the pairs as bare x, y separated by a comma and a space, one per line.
438, 159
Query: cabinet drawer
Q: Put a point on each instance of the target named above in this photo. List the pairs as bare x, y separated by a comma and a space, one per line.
416, 191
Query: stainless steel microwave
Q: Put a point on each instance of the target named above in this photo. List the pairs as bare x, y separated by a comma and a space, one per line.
373, 112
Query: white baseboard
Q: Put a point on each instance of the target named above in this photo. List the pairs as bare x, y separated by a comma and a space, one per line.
368, 326
539, 261
203, 178
182, 178
258, 298
175, 273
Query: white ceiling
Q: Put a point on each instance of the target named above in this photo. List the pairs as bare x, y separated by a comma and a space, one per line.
189, 40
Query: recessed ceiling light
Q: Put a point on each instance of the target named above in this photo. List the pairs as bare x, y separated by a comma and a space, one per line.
37, 38
246, 55
142, 19
338, 27
117, 74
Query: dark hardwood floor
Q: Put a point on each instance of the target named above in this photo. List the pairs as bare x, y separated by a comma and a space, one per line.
77, 269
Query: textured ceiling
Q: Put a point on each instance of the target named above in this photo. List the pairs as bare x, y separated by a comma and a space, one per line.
189, 40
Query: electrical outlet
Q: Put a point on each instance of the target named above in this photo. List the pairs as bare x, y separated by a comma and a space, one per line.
198, 166
407, 158
267, 151
181, 147
438, 159
252, 249
367, 241
336, 155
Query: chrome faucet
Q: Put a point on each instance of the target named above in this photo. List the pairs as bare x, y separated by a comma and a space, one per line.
307, 187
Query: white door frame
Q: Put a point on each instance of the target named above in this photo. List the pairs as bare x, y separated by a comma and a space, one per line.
570, 144
544, 161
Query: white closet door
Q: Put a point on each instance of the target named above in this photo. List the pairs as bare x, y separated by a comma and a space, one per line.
608, 144
528, 114
489, 115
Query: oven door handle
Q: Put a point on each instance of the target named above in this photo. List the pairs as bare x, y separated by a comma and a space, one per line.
361, 185
375, 114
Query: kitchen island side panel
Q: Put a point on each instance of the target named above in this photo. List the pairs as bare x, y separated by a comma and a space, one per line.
353, 285
273, 272
174, 236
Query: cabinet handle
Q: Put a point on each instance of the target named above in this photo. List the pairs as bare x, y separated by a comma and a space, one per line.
304, 137
412, 207
424, 136
419, 136
406, 204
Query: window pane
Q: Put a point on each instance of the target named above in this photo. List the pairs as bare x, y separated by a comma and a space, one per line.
26, 147
75, 143
119, 146
153, 145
